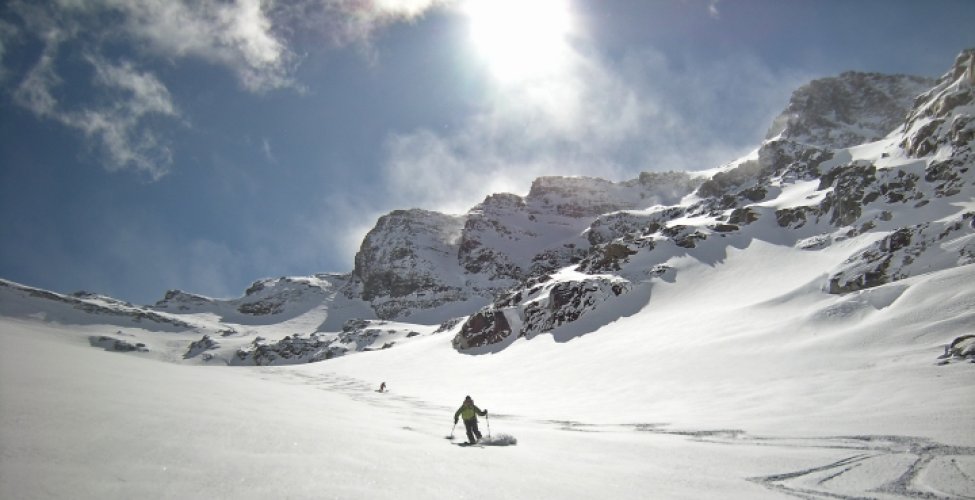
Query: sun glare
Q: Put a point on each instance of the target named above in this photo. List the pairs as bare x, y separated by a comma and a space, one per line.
520, 39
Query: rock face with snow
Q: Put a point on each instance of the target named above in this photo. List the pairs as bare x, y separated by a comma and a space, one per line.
878, 167
417, 259
850, 109
272, 300
356, 336
845, 143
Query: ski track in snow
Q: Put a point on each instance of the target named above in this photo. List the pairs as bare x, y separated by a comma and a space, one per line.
898, 466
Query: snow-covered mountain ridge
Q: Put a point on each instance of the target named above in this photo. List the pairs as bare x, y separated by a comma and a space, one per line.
797, 322
879, 164
906, 199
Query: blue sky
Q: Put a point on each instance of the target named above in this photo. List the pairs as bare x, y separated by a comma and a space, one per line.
148, 145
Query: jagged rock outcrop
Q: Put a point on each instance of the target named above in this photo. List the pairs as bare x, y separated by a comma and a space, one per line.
406, 251
542, 305
940, 132
934, 122
178, 300
850, 109
419, 260
908, 251
291, 349
849, 192
485, 327
409, 260
267, 300
356, 336
567, 301
198, 347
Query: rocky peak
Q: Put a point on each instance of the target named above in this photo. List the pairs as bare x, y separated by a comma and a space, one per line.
590, 197
407, 251
807, 186
179, 300
418, 259
849, 109
942, 116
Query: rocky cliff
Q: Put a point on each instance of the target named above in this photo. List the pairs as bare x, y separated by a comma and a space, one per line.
878, 168
852, 156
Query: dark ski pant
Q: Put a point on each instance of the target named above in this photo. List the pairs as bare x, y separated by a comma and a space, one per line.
472, 431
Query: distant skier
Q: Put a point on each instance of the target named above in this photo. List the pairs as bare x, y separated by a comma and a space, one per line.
470, 413
382, 387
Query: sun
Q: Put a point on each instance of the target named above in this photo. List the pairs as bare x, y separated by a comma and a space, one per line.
520, 39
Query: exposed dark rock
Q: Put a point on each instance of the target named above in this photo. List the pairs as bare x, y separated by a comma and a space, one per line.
262, 308
743, 216
793, 218
567, 302
289, 350
725, 228
849, 109
200, 346
483, 328
116, 345
606, 258
850, 192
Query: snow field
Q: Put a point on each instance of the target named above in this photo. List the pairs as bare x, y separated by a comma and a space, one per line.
727, 382
84, 423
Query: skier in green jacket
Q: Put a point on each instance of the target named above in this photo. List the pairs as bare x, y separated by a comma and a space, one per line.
470, 413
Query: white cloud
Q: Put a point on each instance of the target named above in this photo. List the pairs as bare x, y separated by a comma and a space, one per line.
118, 129
713, 9
248, 37
237, 35
120, 118
146, 94
349, 22
268, 153
611, 120
34, 91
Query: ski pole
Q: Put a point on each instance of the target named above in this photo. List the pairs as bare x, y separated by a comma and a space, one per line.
488, 419
451, 436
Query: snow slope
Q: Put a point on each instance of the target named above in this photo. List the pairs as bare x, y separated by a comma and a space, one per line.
752, 392
802, 325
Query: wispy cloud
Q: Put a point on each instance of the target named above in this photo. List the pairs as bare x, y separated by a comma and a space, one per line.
641, 112
238, 35
266, 149
120, 117
713, 9
118, 129
247, 37
348, 22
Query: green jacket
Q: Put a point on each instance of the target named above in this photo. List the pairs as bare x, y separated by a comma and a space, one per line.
469, 412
